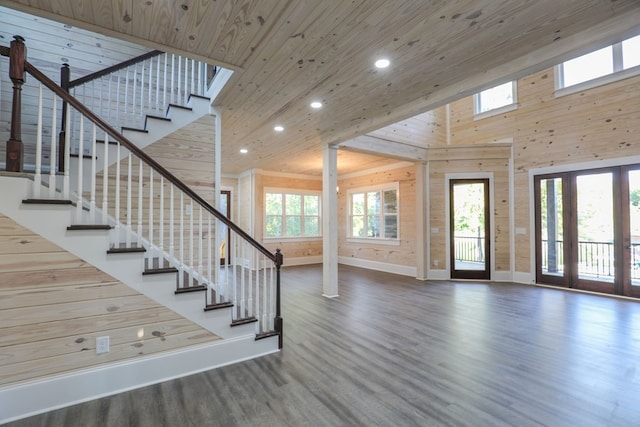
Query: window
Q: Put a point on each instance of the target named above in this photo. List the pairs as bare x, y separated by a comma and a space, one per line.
291, 213
373, 212
595, 66
496, 100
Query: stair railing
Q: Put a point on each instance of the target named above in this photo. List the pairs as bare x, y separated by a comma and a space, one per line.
148, 208
126, 93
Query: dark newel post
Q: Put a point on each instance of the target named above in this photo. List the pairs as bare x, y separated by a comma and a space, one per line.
278, 319
17, 57
65, 74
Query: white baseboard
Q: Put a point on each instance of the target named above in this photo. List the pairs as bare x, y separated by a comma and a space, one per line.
438, 275
304, 260
39, 396
502, 276
525, 278
404, 270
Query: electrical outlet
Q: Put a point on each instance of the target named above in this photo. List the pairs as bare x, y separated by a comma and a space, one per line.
102, 345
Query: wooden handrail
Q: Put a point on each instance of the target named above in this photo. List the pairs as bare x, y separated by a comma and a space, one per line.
116, 67
38, 75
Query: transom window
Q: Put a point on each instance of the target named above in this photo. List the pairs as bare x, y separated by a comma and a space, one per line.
496, 99
373, 212
290, 213
600, 63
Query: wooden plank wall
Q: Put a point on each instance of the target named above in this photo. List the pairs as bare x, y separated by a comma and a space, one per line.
589, 126
403, 254
53, 305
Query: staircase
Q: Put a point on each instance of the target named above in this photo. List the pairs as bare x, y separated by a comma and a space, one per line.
118, 209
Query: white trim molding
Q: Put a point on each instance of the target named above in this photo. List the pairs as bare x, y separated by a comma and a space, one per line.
403, 270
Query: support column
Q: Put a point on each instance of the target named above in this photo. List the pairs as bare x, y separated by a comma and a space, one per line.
330, 221
217, 164
17, 58
422, 255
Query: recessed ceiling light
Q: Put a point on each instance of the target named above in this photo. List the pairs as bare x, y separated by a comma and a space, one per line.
382, 63
278, 128
244, 151
316, 104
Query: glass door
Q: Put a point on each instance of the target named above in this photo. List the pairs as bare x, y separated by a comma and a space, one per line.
469, 220
631, 239
552, 194
595, 232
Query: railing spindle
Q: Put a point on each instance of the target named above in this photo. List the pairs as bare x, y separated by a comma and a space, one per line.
67, 156
37, 179
129, 229
92, 196
54, 151
80, 172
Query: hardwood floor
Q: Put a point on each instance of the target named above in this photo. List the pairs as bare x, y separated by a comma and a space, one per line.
393, 351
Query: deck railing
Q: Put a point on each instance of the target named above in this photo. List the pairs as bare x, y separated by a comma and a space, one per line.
469, 249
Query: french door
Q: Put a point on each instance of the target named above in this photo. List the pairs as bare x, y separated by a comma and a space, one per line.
469, 220
588, 230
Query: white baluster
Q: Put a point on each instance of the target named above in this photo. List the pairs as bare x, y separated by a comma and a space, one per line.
243, 295
54, 149
200, 238
172, 248
161, 217
134, 101
67, 156
201, 79
117, 112
257, 293
37, 179
264, 293
185, 91
152, 252
157, 83
272, 296
191, 242
178, 100
117, 230
126, 91
182, 208
209, 255
105, 179
193, 76
140, 204
164, 82
173, 78
109, 105
92, 197
142, 94
150, 80
80, 172
129, 229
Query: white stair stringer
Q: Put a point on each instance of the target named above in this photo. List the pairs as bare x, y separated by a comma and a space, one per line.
156, 129
51, 221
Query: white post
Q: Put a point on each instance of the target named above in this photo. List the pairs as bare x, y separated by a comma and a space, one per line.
105, 179
116, 204
161, 217
129, 230
140, 204
330, 221
171, 221
422, 214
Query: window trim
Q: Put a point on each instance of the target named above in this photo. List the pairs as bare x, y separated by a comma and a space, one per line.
297, 192
619, 73
478, 115
379, 189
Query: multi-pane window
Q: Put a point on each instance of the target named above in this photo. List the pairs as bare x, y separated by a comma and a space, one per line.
500, 96
373, 213
602, 62
292, 214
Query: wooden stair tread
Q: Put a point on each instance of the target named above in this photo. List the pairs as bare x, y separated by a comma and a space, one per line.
218, 306
244, 321
189, 289
126, 250
160, 270
133, 129
266, 334
89, 227
46, 202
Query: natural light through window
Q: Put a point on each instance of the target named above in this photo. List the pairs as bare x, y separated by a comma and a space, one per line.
373, 212
597, 65
496, 97
292, 214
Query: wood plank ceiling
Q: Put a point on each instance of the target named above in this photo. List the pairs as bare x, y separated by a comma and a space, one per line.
287, 53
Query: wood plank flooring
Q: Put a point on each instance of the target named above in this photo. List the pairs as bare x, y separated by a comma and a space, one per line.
393, 351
